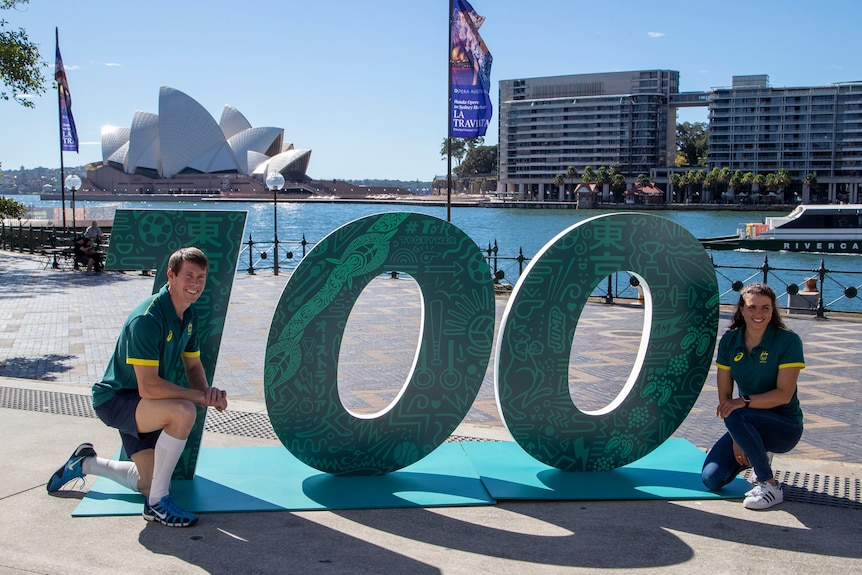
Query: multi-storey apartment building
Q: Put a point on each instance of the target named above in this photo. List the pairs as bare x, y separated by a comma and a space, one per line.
549, 124
809, 130
629, 119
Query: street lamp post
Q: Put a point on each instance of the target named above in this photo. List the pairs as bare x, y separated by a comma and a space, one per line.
72, 184
275, 182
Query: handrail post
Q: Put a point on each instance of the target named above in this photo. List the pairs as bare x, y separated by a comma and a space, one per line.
765, 267
521, 259
820, 312
250, 256
495, 260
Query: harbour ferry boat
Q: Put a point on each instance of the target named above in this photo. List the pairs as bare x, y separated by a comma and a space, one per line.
834, 229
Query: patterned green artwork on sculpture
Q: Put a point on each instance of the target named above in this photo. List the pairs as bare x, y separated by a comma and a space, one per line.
681, 320
300, 377
144, 239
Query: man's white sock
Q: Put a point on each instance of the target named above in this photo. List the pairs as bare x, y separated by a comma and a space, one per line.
123, 472
168, 452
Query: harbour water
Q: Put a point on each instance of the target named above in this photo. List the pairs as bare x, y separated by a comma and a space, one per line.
514, 230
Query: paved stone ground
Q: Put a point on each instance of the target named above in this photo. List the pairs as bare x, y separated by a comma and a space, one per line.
60, 327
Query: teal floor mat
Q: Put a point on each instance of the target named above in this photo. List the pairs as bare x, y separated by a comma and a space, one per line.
672, 471
236, 479
269, 478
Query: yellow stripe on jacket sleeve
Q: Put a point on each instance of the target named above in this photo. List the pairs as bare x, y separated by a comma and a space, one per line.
722, 366
798, 364
138, 361
192, 353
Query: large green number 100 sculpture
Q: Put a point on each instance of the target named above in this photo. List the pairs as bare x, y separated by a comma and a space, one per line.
681, 320
300, 377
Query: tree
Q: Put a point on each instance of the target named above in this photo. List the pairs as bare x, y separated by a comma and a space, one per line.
571, 173
19, 62
618, 181
9, 208
691, 142
748, 180
772, 182
643, 181
603, 179
588, 176
710, 182
696, 178
735, 182
809, 186
677, 180
758, 183
603, 176
618, 185
783, 179
559, 180
458, 149
479, 160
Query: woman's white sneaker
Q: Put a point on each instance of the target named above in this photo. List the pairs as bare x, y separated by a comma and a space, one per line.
763, 496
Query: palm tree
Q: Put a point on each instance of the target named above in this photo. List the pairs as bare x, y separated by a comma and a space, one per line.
676, 181
559, 181
571, 173
758, 183
710, 183
809, 185
724, 176
772, 182
643, 181
618, 185
603, 178
734, 183
589, 176
696, 179
783, 179
618, 181
748, 180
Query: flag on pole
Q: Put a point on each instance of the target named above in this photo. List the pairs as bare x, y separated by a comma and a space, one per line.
68, 132
470, 69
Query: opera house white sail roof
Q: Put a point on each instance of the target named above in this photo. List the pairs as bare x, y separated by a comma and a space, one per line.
183, 138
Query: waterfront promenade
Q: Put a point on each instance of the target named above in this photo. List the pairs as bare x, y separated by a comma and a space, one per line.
58, 329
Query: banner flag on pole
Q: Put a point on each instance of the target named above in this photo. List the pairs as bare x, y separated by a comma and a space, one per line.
69, 134
470, 69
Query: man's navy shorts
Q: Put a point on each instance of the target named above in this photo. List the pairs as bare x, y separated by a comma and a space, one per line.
119, 413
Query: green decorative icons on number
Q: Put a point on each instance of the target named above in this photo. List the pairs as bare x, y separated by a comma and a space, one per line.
300, 376
681, 321
145, 239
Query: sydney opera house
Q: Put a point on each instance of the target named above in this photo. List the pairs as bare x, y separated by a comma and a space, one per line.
183, 150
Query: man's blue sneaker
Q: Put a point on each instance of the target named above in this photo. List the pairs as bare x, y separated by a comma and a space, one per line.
167, 512
72, 469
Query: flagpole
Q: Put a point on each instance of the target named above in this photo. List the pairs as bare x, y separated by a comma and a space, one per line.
60, 124
449, 124
62, 167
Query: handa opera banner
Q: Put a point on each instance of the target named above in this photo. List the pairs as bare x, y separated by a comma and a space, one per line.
470, 69
69, 140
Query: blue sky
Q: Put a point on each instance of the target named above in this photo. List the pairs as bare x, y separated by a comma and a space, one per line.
363, 83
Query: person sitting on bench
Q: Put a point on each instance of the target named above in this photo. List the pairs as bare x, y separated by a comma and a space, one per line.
85, 254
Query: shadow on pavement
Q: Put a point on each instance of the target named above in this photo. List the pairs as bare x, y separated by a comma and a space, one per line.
593, 535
